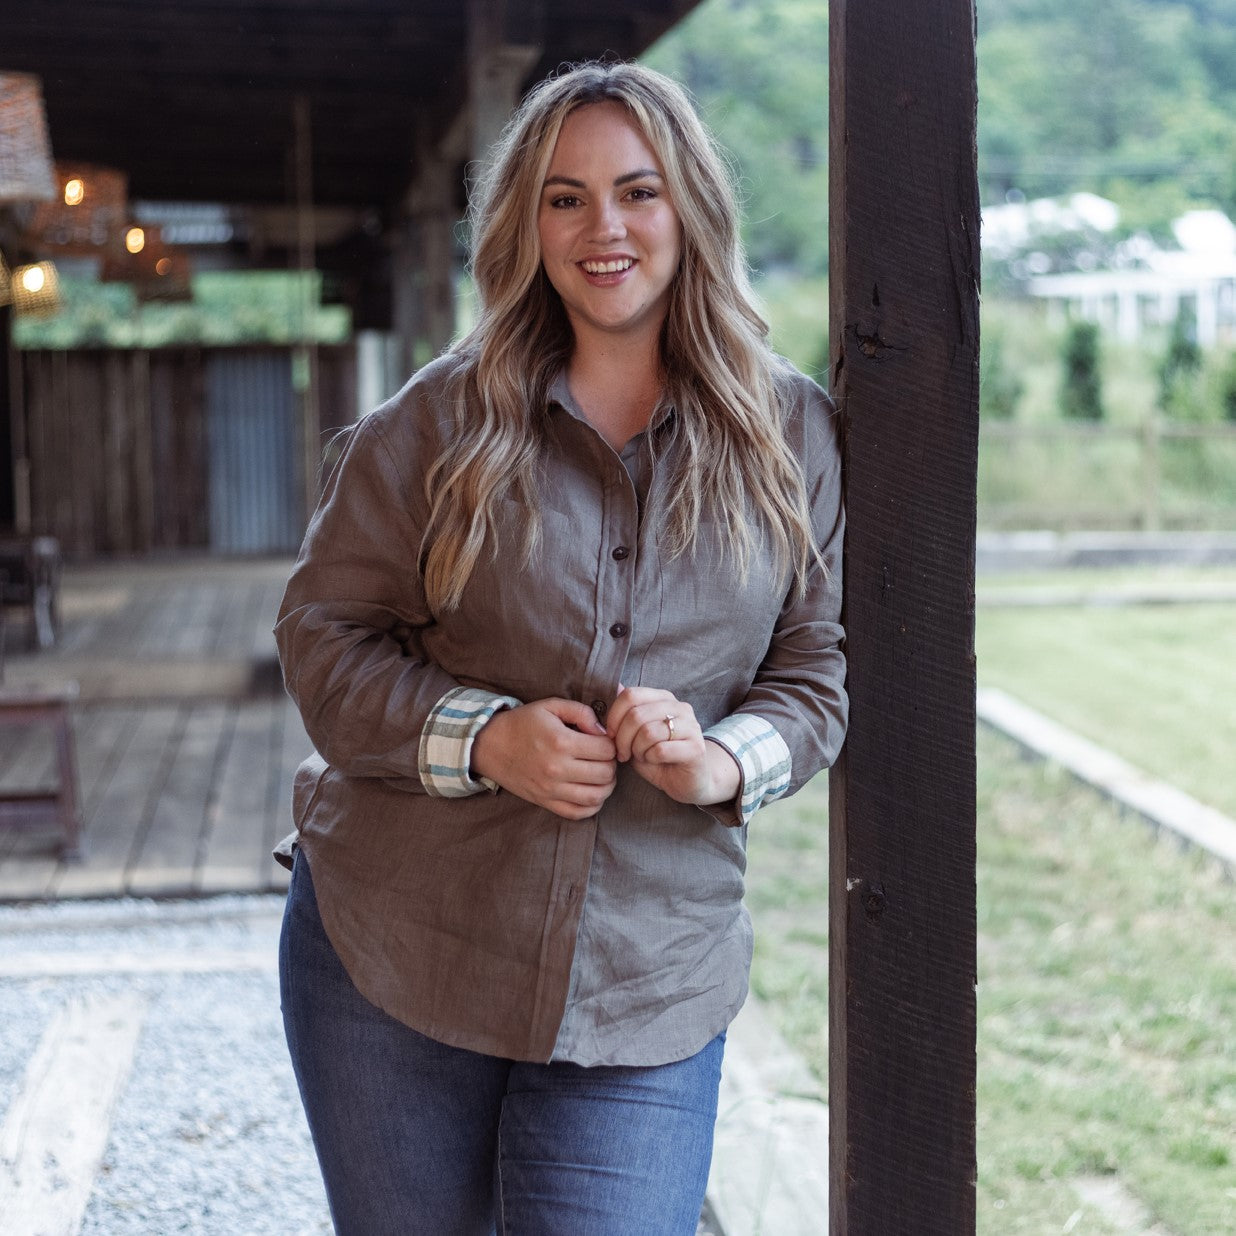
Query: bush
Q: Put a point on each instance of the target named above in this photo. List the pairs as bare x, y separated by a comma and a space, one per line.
1081, 391
1227, 388
1179, 370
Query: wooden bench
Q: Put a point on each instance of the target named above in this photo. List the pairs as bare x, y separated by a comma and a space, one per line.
48, 708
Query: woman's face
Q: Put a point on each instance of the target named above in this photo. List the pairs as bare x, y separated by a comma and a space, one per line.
610, 236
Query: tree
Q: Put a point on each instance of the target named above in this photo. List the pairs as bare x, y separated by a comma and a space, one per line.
1180, 367
1227, 388
757, 69
1081, 391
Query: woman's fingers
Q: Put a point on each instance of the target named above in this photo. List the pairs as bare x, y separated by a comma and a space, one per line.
550, 752
644, 719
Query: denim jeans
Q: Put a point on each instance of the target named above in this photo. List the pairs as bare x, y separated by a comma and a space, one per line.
416, 1138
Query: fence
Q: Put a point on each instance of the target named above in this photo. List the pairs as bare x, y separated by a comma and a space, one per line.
1081, 477
125, 452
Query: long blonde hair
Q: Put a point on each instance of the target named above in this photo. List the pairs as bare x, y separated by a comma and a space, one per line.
722, 378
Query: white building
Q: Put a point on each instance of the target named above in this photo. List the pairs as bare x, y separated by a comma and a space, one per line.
1199, 277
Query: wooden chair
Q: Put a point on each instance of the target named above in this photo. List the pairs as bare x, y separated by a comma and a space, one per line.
46, 707
30, 581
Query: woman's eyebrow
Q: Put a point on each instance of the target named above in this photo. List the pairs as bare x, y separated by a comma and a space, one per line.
641, 174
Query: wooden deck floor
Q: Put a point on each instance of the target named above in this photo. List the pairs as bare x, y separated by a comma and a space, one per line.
186, 743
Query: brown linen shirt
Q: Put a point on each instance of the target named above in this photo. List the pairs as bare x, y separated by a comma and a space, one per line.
485, 921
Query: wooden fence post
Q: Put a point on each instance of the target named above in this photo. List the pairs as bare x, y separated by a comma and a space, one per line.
904, 264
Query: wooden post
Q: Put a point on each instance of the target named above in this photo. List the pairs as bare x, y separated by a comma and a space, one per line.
904, 267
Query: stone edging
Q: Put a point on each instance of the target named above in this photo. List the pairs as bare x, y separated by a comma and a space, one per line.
1161, 804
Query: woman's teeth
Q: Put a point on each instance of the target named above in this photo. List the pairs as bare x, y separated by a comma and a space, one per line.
607, 268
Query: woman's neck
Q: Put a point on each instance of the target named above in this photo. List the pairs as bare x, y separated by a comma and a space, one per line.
617, 385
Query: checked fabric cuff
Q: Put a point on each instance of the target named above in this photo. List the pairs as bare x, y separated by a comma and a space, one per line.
761, 754
446, 741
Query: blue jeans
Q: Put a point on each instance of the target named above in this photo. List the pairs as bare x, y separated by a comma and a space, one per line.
416, 1138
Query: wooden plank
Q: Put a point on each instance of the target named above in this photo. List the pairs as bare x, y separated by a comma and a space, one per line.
25, 755
164, 860
118, 454
31, 854
904, 262
235, 853
102, 735
139, 766
261, 631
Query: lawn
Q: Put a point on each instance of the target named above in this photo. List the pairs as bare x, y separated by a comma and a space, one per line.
1154, 683
1107, 999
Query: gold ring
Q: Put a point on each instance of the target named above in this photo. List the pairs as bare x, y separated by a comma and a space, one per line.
669, 721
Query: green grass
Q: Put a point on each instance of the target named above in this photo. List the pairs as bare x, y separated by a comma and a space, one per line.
1155, 683
1101, 480
1107, 998
1106, 579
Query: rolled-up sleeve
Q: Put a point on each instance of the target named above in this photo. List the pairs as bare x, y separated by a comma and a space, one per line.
447, 738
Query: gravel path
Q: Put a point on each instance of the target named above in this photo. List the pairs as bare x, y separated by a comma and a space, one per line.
207, 1136
206, 1133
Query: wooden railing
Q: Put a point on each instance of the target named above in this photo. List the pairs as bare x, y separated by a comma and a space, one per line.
1160, 474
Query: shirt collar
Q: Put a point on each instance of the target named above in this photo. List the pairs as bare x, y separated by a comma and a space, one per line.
560, 394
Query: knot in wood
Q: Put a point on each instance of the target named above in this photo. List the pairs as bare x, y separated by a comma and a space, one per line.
874, 902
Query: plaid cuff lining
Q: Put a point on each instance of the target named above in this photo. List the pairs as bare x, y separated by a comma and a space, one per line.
761, 754
446, 741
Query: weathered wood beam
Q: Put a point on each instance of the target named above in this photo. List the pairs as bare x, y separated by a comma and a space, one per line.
505, 40
904, 263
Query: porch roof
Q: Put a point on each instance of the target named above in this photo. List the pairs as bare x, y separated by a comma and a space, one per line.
194, 99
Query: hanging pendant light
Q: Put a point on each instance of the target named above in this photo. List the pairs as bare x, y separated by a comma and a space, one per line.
90, 204
25, 153
36, 290
138, 255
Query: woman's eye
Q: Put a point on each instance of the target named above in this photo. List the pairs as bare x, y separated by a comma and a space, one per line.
564, 202
643, 194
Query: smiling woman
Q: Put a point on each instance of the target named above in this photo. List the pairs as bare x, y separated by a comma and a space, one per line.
566, 618
610, 244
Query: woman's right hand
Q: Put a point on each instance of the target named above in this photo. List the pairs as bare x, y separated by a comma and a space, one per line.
552, 752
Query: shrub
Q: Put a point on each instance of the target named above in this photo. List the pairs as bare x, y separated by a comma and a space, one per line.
1227, 387
1179, 369
1081, 391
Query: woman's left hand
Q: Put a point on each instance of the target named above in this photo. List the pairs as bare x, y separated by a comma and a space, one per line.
657, 734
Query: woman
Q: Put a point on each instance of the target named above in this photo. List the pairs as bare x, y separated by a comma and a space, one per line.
566, 617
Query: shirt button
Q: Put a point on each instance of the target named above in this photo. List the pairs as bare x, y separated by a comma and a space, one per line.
618, 630
598, 706
620, 553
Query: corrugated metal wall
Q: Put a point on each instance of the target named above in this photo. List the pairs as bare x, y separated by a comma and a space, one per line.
256, 490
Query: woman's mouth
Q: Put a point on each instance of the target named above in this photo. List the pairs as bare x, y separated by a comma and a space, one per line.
615, 266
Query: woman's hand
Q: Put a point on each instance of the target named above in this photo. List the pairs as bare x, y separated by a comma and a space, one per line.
658, 734
551, 752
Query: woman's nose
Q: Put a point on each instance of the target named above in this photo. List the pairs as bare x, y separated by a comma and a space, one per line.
607, 221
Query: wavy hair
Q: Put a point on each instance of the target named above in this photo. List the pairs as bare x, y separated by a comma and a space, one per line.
729, 454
